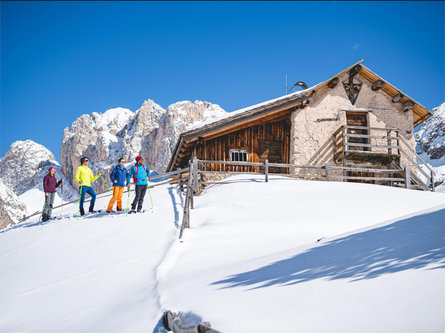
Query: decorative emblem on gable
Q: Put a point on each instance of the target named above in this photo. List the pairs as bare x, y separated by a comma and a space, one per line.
353, 88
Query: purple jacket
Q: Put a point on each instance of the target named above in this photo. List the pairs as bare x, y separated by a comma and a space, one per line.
50, 183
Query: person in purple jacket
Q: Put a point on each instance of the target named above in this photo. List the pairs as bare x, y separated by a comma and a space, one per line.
50, 184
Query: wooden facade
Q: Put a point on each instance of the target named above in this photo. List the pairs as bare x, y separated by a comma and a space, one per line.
268, 140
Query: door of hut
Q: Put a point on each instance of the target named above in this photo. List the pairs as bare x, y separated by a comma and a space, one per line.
272, 151
357, 119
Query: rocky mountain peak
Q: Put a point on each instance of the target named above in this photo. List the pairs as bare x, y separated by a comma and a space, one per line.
431, 135
21, 162
151, 132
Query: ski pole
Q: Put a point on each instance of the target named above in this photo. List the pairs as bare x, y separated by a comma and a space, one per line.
61, 197
128, 201
80, 196
106, 183
149, 193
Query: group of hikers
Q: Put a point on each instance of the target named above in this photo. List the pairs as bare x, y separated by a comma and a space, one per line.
120, 177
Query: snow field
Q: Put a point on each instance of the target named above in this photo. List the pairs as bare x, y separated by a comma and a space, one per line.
253, 263
288, 255
95, 273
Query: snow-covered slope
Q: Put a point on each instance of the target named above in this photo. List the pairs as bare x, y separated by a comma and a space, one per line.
23, 167
430, 139
283, 256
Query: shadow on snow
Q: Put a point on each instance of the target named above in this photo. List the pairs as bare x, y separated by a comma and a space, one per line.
411, 243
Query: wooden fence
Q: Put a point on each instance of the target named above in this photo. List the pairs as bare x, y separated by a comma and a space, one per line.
190, 177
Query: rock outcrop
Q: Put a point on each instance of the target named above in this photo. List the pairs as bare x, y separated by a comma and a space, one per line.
5, 220
430, 144
12, 210
151, 132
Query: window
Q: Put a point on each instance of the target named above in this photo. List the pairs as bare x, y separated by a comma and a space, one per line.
239, 155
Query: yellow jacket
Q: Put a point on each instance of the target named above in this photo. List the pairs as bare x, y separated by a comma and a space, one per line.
84, 175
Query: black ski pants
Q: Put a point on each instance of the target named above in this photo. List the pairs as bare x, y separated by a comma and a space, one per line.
139, 199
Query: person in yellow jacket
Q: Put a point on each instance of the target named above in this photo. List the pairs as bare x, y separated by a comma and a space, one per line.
84, 176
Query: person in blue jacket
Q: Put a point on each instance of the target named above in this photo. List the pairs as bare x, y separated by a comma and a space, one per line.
118, 177
140, 173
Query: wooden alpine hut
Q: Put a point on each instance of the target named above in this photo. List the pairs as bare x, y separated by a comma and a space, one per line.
354, 119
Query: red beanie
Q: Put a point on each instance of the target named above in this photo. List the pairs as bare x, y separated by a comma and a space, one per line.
138, 158
51, 168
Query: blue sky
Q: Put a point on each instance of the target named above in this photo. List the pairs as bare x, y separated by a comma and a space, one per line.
60, 60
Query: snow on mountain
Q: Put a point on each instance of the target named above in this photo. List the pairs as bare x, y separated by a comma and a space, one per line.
259, 257
151, 132
13, 209
23, 167
430, 144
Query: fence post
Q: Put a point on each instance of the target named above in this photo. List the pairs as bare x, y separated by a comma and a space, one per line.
181, 187
195, 175
192, 204
190, 184
407, 177
326, 168
266, 170
389, 141
344, 148
398, 142
432, 182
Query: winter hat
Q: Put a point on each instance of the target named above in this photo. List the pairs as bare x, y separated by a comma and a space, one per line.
52, 168
138, 158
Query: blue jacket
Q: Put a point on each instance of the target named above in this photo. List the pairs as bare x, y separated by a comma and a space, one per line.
119, 173
140, 175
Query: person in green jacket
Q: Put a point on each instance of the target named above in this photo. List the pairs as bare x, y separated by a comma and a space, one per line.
84, 176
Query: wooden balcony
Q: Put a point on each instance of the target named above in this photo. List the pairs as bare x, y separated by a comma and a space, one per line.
381, 147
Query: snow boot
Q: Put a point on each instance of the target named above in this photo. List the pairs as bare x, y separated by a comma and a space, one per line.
91, 210
44, 218
82, 212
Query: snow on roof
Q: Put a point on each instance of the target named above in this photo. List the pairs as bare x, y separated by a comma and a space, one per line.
250, 108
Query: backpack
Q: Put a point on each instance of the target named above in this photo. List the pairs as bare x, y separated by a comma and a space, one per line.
135, 180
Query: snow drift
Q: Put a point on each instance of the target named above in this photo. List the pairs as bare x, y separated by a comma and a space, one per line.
288, 255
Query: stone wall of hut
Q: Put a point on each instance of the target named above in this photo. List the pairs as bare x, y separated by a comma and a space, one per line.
312, 127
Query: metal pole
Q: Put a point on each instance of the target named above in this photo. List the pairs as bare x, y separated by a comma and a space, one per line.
106, 183
128, 201
80, 196
285, 88
149, 193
